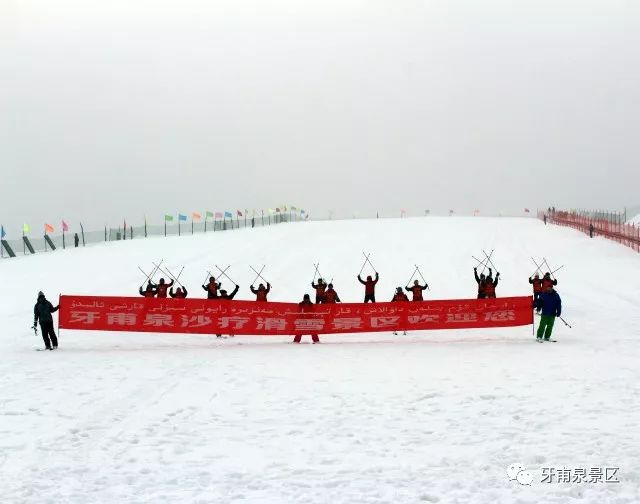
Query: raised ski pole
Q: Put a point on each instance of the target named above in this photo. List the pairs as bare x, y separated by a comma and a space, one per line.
557, 269
366, 258
150, 277
487, 261
224, 272
490, 261
480, 263
259, 275
565, 322
538, 269
317, 272
423, 279
176, 279
370, 263
412, 275
550, 268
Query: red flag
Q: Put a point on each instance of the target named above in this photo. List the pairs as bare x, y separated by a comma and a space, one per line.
48, 228
526, 210
239, 213
65, 226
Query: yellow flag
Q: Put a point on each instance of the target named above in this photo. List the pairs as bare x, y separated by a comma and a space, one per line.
26, 229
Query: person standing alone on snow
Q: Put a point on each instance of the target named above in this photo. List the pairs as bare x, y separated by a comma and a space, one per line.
369, 288
42, 312
551, 304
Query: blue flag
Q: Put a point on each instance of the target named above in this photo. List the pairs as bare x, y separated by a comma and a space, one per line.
182, 217
2, 233
228, 214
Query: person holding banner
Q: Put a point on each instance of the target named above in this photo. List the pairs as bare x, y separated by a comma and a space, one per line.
306, 306
180, 293
42, 312
261, 292
228, 297
399, 296
369, 287
149, 292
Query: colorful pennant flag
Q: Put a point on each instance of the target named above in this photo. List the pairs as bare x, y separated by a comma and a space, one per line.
196, 216
168, 218
270, 210
294, 209
65, 226
239, 213
278, 210
182, 218
526, 210
48, 228
228, 214
26, 229
209, 214
2, 233
219, 215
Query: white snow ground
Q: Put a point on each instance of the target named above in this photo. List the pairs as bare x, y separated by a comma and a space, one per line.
430, 417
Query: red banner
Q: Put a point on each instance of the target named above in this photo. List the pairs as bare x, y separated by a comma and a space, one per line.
202, 316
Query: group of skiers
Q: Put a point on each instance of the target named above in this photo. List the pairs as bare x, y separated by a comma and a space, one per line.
546, 301
325, 292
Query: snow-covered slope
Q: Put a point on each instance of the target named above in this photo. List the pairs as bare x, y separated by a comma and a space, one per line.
432, 417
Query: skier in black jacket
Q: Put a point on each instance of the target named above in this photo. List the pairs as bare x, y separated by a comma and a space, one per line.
42, 312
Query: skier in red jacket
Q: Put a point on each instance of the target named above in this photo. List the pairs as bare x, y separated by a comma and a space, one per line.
306, 306
416, 289
537, 288
547, 281
482, 283
162, 288
369, 288
228, 297
180, 293
212, 288
331, 296
490, 285
320, 288
261, 292
399, 296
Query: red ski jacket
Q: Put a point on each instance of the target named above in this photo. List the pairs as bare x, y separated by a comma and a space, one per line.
369, 285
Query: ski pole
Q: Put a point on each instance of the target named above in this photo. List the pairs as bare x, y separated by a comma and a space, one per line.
366, 258
317, 272
369, 261
487, 261
176, 279
538, 269
490, 261
258, 274
550, 268
557, 269
565, 322
150, 277
423, 279
224, 272
479, 262
412, 275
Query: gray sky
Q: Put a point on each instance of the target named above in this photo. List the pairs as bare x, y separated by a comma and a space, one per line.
120, 108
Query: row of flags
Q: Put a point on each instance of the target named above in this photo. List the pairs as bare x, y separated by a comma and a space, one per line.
195, 216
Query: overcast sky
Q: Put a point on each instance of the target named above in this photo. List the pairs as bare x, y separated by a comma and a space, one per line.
112, 109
